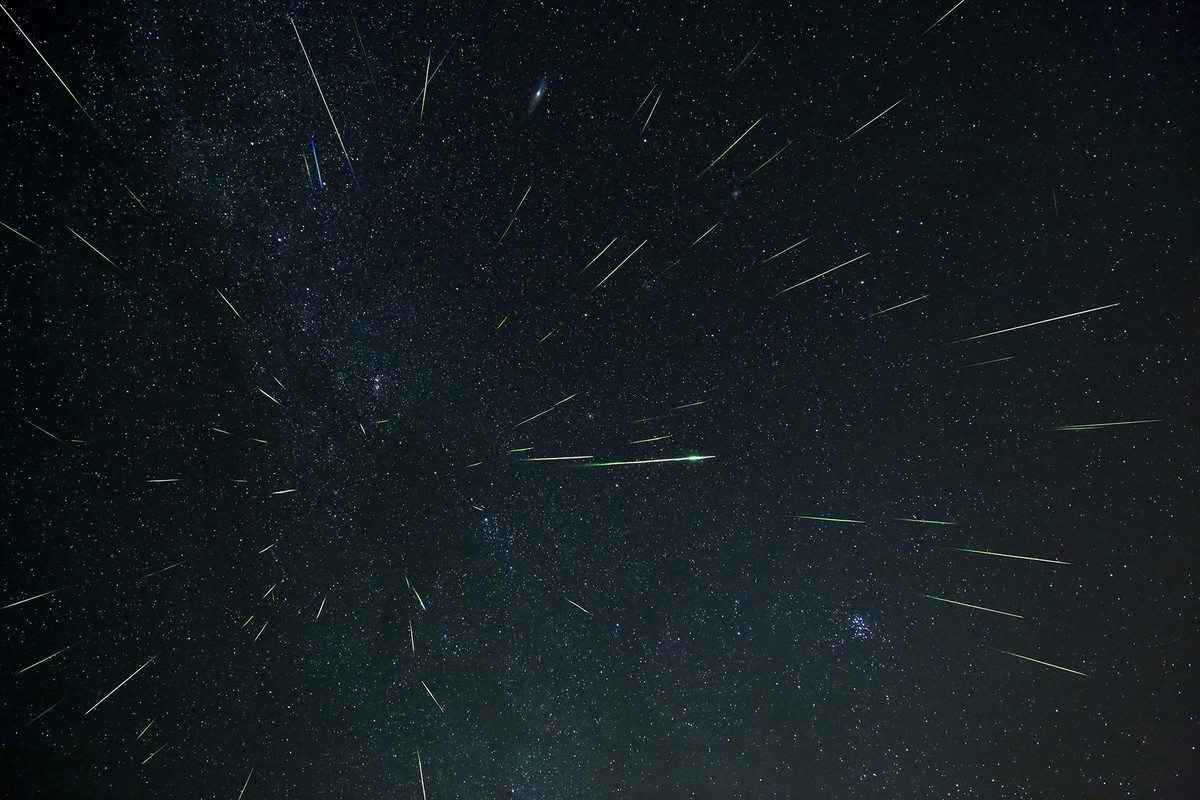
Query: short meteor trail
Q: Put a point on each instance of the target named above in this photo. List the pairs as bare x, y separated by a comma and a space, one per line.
249, 619
435, 700
285, 491
119, 685
689, 405
260, 630
645, 99
307, 168
421, 772
323, 102
43, 661
652, 439
968, 605
898, 305
877, 116
547, 336
828, 519
1094, 425
787, 249
247, 783
501, 325
366, 57
651, 114
514, 214
727, 149
1039, 322
269, 397
768, 161
992, 361
540, 413
706, 233
93, 247
618, 266
18, 233
558, 458
597, 256
219, 430
138, 199
44, 713
942, 17
317, 162
39, 427
924, 521
420, 98
581, 608
1005, 555
152, 755
425, 87
160, 571
1036, 661
47, 63
143, 733
28, 599
412, 640
647, 461
743, 61
265, 549
322, 608
231, 308
273, 585
164, 480
821, 275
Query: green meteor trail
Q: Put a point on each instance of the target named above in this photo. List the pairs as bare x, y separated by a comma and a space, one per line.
727, 149
138, 199
540, 413
1036, 661
23, 236
558, 458
231, 308
247, 622
247, 783
744, 59
597, 256
706, 233
269, 397
152, 755
968, 605
501, 325
94, 249
1005, 555
260, 441
119, 685
1031, 324
924, 521
787, 249
143, 733
44, 713
514, 214
647, 461
618, 266
652, 439
829, 519
279, 382
547, 336
415, 592
651, 114
218, 430
43, 661
820, 275
768, 161
877, 116
1094, 425
28, 599
421, 772
645, 99
942, 17
47, 63
993, 361
898, 305
581, 608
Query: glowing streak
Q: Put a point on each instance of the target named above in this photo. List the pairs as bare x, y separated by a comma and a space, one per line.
993, 361
968, 605
1039, 322
44, 713
547, 336
768, 161
1094, 425
317, 162
160, 571
514, 214
322, 608
366, 57
540, 413
581, 608
260, 441
1054, 197
618, 266
877, 116
143, 733
282, 491
652, 439
23, 236
152, 755
706, 233
43, 661
231, 308
421, 772
323, 102
40, 428
164, 480
690, 405
93, 247
1007, 555
647, 461
597, 256
828, 519
412, 640
265, 549
644, 99
821, 275
942, 17
273, 585
501, 325
898, 305
119, 685
247, 783
651, 114
47, 63
307, 168
418, 595
476, 464
260, 630
743, 61
425, 88
247, 622
923, 521
218, 430
138, 199
558, 458
727, 149
1036, 661
788, 249
269, 397
435, 700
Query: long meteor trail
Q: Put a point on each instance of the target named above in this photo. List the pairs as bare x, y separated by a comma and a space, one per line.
1094, 425
1039, 322
119, 685
968, 605
514, 214
1036, 661
618, 266
1005, 555
434, 699
820, 275
323, 101
727, 149
647, 461
47, 63
877, 116
547, 411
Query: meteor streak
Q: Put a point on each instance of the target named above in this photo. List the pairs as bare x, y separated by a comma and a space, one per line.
942, 17
43, 661
317, 162
284, 491
47, 63
18, 233
828, 519
514, 214
706, 233
119, 685
540, 413
651, 114
787, 249
322, 608
39, 427
652, 439
1005, 555
727, 149
993, 361
269, 397
435, 700
768, 161
323, 102
581, 608
968, 605
1094, 425
421, 772
247, 783
877, 116
597, 256
164, 480
152, 755
924, 521
425, 88
1036, 661
558, 458
898, 305
93, 247
821, 275
647, 461
1039, 322
743, 61
143, 733
231, 308
618, 266
27, 599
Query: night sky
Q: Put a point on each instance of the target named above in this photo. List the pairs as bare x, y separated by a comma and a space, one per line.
270, 439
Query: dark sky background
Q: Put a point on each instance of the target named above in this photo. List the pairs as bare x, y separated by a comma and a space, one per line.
1040, 161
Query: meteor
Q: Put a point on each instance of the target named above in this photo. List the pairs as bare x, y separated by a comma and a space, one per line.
47, 63
821, 275
1094, 425
581, 608
558, 458
435, 700
647, 461
828, 519
597, 256
877, 116
269, 397
514, 214
727, 149
27, 599
1005, 555
898, 305
94, 248
1039, 322
618, 266
540, 413
768, 161
651, 114
1036, 661
119, 685
18, 233
323, 102
231, 308
787, 249
942, 17
968, 605
43, 661
923, 521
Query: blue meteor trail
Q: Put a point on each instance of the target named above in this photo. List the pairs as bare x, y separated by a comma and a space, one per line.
320, 183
